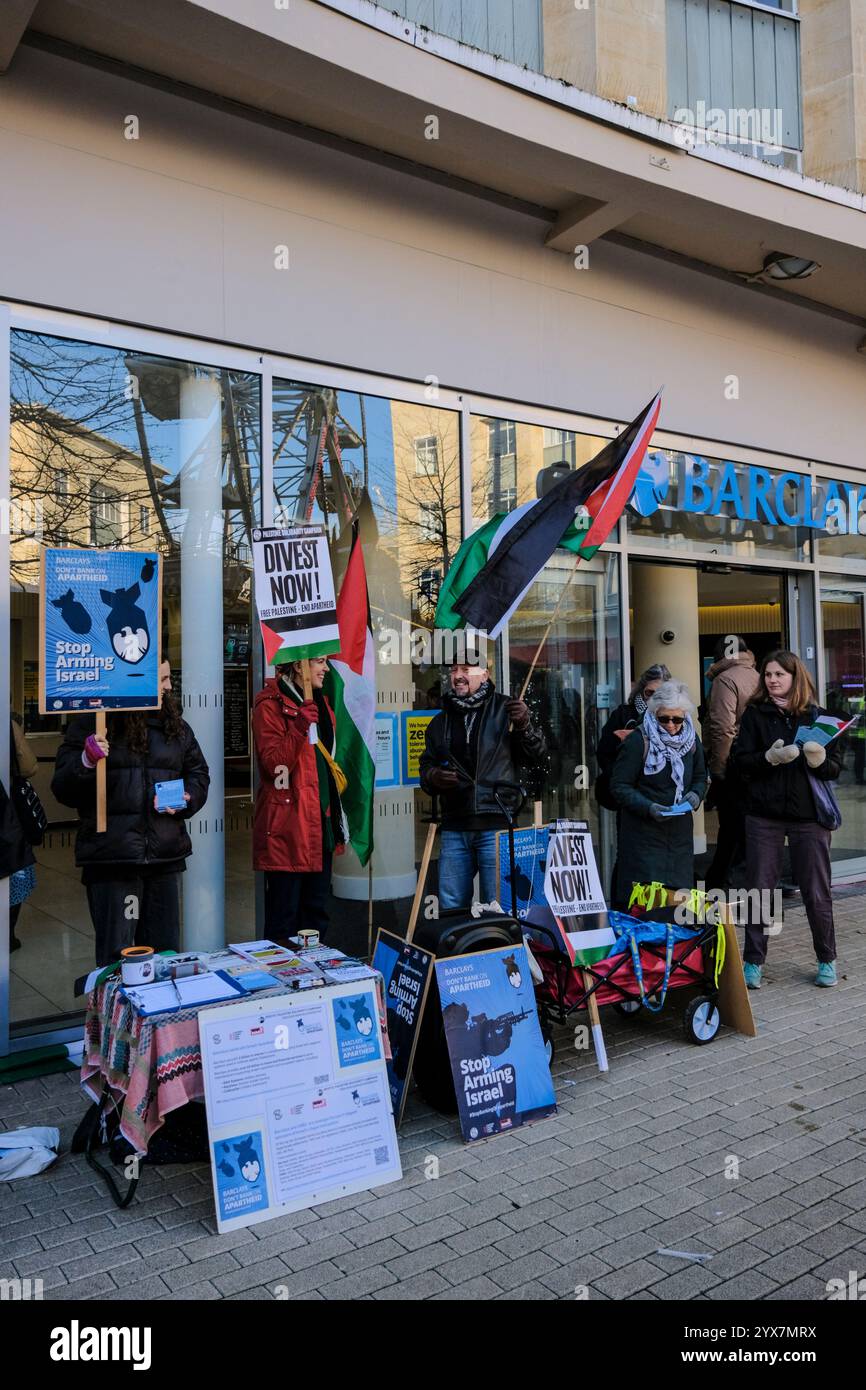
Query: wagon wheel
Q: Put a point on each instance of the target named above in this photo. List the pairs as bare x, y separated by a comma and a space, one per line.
701, 1020
627, 1008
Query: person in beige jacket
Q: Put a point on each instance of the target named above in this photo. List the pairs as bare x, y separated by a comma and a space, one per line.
734, 681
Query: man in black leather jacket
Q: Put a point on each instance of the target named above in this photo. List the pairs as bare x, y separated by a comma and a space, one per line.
479, 739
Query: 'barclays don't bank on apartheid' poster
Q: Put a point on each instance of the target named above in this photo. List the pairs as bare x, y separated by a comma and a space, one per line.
100, 630
498, 1058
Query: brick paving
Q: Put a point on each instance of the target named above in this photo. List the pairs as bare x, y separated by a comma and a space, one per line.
750, 1150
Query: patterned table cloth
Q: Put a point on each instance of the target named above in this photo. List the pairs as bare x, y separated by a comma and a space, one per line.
151, 1065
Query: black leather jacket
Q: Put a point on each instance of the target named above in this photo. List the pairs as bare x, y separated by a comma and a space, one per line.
500, 756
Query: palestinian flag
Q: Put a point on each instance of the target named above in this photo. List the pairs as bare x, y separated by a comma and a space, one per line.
589, 947
825, 729
477, 549
351, 688
519, 547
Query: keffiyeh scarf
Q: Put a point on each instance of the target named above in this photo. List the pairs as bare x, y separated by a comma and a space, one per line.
663, 747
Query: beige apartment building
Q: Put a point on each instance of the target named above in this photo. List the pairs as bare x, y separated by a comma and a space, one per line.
332, 258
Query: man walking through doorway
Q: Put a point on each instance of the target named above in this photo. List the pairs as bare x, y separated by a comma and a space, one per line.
734, 681
479, 739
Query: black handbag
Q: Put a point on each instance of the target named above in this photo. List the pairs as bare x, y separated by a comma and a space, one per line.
25, 801
29, 810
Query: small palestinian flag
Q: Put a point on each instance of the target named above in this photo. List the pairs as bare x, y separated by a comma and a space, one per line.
825, 729
589, 947
509, 553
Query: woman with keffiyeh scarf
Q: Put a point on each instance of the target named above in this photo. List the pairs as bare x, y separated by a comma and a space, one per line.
660, 765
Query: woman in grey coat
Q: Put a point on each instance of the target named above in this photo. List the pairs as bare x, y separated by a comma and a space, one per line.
660, 765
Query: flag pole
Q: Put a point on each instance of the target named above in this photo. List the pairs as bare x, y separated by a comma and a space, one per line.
370, 909
547, 630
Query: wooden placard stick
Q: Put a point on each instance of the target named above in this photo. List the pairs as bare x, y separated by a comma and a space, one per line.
422, 879
101, 780
307, 686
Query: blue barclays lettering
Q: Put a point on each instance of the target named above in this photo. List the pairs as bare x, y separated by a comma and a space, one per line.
785, 516
732, 495
728, 490
696, 477
760, 481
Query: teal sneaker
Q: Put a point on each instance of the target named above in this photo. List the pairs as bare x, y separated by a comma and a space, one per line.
826, 976
753, 975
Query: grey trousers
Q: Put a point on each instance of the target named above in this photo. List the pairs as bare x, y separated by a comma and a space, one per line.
810, 858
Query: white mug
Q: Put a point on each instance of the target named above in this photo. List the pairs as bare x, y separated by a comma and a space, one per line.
137, 965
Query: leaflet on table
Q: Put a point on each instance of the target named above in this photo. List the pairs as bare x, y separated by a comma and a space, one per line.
316, 954
261, 952
344, 972
297, 975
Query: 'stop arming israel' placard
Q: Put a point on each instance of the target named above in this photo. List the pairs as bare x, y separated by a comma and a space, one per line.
294, 593
99, 638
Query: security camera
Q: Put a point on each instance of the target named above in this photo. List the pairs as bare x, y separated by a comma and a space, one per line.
667, 636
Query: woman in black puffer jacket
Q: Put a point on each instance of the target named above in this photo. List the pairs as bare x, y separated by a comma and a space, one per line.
132, 870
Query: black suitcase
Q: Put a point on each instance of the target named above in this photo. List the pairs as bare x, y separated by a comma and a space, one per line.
452, 934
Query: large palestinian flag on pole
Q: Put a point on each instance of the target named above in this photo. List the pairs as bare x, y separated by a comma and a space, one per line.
351, 688
495, 567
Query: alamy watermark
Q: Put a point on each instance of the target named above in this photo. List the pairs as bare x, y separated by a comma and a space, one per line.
713, 125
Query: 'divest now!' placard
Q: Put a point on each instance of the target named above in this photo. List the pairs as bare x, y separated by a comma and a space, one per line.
571, 883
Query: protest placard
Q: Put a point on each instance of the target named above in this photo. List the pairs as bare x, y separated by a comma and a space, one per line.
406, 970
100, 629
572, 886
294, 587
99, 644
498, 1058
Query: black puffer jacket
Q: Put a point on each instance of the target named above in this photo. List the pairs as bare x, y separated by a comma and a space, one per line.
781, 792
500, 755
136, 833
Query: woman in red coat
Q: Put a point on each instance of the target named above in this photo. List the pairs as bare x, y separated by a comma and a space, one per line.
298, 824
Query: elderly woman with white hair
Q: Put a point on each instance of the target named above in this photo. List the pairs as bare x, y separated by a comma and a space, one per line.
659, 780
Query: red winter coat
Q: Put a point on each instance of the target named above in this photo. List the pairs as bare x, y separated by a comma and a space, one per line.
287, 826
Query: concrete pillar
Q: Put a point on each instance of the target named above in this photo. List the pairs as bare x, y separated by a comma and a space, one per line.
833, 67
202, 640
616, 49
664, 598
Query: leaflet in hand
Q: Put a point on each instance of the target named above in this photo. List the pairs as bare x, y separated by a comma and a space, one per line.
169, 795
681, 808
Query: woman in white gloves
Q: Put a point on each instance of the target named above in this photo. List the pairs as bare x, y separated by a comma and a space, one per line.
778, 774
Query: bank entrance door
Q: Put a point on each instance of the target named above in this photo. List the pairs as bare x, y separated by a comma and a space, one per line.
681, 613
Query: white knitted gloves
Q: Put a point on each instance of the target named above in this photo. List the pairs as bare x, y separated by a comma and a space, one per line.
781, 752
814, 753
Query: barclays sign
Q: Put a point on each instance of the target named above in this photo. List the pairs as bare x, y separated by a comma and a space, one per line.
738, 492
